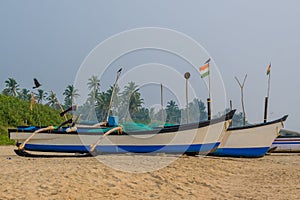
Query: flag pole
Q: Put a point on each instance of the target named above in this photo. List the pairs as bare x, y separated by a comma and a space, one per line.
268, 94
205, 71
209, 97
269, 81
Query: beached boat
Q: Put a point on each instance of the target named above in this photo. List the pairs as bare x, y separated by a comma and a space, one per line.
249, 141
287, 142
195, 138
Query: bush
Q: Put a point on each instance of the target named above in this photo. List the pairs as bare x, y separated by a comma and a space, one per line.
15, 112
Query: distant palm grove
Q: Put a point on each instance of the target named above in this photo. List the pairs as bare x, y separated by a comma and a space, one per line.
127, 104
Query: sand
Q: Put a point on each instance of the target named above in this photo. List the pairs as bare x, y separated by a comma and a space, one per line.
275, 176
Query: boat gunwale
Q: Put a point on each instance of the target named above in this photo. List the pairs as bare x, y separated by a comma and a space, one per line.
167, 129
282, 119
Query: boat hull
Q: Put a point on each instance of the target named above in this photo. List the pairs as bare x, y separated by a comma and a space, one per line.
249, 141
193, 148
198, 138
286, 145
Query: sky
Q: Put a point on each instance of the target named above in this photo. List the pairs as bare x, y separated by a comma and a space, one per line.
51, 39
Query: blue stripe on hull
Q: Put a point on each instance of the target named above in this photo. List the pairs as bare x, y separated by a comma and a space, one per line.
194, 148
241, 152
285, 142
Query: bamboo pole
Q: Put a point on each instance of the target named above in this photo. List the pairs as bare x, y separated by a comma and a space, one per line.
60, 106
242, 96
112, 93
187, 75
162, 104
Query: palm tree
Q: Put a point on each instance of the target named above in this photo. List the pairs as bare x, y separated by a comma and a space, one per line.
173, 112
135, 102
12, 87
94, 83
24, 94
71, 93
131, 100
102, 105
94, 86
41, 95
52, 100
197, 110
103, 101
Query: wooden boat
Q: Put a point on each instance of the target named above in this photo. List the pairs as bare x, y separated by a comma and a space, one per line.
287, 142
196, 138
249, 141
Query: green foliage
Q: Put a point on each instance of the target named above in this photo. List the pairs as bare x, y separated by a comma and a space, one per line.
197, 111
128, 105
11, 87
4, 140
15, 112
71, 93
41, 96
238, 120
173, 113
24, 94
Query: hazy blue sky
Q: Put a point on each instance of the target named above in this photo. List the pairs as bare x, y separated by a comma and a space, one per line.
50, 39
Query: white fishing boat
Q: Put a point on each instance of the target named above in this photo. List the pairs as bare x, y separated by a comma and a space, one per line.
196, 138
249, 141
287, 142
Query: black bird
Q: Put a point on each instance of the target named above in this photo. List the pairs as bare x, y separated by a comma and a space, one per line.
36, 83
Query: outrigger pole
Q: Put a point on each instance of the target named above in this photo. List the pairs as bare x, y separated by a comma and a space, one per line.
93, 146
49, 128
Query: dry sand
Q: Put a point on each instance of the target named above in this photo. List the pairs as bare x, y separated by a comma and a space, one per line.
275, 176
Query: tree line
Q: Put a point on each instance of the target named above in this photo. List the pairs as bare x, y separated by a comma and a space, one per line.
128, 104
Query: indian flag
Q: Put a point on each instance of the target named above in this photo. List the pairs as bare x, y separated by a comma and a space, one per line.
204, 70
269, 69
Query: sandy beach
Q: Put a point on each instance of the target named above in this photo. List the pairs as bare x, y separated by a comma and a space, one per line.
275, 176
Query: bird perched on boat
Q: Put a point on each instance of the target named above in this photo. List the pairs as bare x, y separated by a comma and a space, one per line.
36, 83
